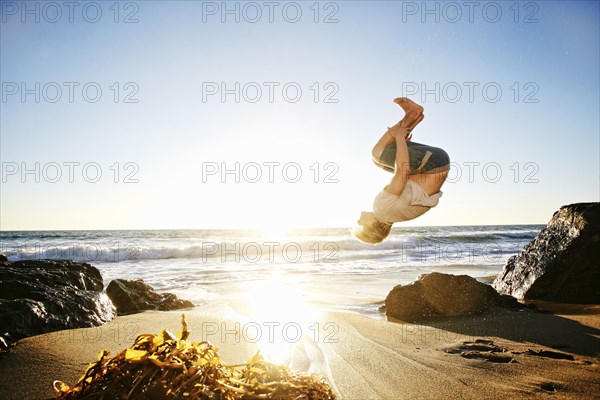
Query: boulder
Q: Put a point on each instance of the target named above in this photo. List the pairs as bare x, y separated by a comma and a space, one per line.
562, 263
457, 295
135, 296
407, 303
39, 296
443, 295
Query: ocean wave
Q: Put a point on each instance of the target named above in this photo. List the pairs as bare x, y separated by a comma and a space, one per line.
483, 237
263, 251
219, 245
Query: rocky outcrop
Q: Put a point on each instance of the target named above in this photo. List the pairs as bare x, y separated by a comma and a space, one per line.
134, 296
39, 296
442, 295
562, 263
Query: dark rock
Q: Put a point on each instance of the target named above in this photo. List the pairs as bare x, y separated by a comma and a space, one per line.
443, 295
481, 349
3, 259
134, 296
506, 301
455, 295
407, 303
562, 263
39, 296
550, 354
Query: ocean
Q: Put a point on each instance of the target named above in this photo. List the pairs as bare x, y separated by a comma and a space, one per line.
325, 267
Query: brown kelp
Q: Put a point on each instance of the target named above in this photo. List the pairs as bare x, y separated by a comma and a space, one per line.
164, 366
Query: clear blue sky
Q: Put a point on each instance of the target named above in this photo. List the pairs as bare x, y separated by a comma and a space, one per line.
541, 133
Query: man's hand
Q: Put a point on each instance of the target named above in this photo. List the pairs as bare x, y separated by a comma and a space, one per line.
399, 130
405, 127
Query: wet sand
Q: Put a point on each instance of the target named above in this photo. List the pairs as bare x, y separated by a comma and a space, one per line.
495, 355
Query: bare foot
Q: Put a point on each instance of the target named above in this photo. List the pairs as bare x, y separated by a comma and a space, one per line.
409, 106
406, 126
413, 113
411, 125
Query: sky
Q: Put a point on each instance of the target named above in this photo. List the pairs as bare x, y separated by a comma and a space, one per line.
190, 114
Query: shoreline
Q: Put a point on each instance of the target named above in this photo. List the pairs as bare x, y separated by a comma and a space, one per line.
361, 356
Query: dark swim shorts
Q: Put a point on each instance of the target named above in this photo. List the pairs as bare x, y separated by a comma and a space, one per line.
423, 159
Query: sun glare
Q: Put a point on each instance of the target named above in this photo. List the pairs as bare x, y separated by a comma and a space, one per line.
278, 303
274, 232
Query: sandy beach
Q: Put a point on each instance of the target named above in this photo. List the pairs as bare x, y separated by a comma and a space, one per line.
361, 356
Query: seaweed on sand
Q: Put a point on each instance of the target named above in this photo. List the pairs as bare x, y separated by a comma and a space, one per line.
167, 367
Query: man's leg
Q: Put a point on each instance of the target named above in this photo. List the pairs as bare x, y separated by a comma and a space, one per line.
413, 116
384, 152
429, 166
426, 159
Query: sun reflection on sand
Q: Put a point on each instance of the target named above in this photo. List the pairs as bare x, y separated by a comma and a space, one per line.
278, 306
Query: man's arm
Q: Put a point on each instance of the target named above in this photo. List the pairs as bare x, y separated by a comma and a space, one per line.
409, 122
402, 171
